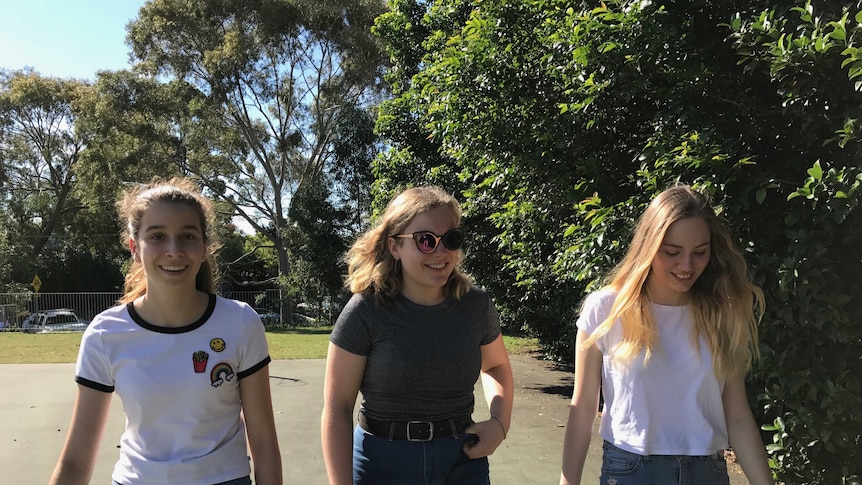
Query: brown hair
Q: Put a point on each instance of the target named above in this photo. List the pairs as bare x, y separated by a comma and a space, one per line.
134, 204
371, 268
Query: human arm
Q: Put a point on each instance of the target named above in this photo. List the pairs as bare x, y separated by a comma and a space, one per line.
743, 434
78, 457
499, 390
257, 412
344, 371
582, 410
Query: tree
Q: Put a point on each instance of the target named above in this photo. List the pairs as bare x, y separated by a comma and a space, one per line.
265, 83
557, 121
39, 148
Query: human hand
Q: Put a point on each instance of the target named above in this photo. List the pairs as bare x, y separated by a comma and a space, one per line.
487, 437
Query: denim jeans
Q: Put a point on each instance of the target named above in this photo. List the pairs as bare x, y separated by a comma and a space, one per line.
441, 461
620, 467
238, 481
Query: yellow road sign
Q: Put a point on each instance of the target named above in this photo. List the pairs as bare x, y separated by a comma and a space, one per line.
37, 283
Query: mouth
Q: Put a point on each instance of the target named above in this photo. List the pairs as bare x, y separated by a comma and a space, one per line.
437, 266
173, 269
681, 276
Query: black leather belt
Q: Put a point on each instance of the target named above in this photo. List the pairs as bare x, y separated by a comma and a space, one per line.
415, 430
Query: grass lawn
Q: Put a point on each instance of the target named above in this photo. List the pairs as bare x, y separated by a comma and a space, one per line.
293, 343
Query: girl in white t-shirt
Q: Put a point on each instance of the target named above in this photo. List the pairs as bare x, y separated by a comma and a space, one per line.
191, 368
669, 341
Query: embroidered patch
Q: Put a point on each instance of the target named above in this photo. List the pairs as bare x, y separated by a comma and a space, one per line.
199, 361
221, 372
217, 344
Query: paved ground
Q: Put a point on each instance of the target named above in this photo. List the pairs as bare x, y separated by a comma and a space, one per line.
36, 403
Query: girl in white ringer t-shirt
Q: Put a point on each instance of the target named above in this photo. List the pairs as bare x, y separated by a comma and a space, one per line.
669, 341
191, 368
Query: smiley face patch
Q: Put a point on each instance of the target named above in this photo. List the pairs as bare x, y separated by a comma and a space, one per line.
217, 344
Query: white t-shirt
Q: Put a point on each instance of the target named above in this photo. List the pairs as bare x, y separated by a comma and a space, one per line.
671, 406
179, 388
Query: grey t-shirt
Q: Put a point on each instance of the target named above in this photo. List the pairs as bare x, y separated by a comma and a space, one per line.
422, 361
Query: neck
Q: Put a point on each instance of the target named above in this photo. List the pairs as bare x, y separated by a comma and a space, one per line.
424, 297
172, 309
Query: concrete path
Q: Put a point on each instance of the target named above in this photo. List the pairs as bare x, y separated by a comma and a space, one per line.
36, 404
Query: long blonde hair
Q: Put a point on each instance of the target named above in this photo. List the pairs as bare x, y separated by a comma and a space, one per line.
370, 266
725, 305
135, 202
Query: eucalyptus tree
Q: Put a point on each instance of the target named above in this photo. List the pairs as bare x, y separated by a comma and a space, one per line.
39, 150
265, 85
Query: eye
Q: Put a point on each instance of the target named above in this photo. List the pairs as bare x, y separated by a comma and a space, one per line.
700, 253
671, 253
190, 237
157, 237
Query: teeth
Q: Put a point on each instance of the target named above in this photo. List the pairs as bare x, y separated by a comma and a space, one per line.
173, 268
436, 266
682, 277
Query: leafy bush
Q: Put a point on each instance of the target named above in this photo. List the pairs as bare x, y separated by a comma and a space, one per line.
557, 121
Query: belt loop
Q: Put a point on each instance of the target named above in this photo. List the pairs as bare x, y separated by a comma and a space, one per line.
454, 428
391, 430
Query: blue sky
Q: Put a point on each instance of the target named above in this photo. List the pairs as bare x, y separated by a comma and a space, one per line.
65, 38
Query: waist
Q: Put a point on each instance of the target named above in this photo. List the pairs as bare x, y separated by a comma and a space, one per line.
607, 447
415, 430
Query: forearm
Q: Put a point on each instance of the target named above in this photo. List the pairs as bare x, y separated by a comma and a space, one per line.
66, 473
499, 388
267, 466
337, 439
576, 443
747, 445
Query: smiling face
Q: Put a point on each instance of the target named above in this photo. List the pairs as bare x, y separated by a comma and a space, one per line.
681, 259
425, 275
169, 245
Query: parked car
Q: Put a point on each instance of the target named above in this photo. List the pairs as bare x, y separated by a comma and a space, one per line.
56, 320
268, 317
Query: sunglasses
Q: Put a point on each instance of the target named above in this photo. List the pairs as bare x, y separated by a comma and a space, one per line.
427, 241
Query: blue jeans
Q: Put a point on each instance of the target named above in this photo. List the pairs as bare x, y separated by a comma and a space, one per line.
238, 481
620, 467
441, 461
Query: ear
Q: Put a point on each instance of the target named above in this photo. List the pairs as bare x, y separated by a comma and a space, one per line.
133, 247
393, 246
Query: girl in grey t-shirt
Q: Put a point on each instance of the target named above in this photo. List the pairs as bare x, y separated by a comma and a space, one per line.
414, 338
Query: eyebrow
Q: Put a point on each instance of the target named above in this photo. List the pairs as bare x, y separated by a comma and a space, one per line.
680, 247
161, 227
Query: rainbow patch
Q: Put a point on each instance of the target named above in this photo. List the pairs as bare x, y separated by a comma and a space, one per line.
221, 372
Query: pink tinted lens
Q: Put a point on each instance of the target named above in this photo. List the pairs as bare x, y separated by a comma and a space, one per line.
426, 242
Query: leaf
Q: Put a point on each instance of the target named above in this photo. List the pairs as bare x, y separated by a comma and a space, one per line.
816, 172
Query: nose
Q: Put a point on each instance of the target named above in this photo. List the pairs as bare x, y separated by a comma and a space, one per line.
174, 247
687, 261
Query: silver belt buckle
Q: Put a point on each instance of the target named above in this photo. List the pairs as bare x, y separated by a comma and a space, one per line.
430, 430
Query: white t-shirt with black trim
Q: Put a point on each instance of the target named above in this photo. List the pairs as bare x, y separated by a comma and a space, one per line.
179, 388
670, 406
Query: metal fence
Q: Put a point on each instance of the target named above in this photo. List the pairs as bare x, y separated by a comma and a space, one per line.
18, 310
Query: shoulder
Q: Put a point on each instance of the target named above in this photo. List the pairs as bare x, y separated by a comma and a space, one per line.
231, 308
359, 302
602, 298
476, 295
110, 318
357, 307
227, 303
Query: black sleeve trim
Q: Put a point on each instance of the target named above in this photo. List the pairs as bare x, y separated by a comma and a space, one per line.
93, 384
251, 370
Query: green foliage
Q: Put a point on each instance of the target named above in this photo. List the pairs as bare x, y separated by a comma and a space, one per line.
557, 122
